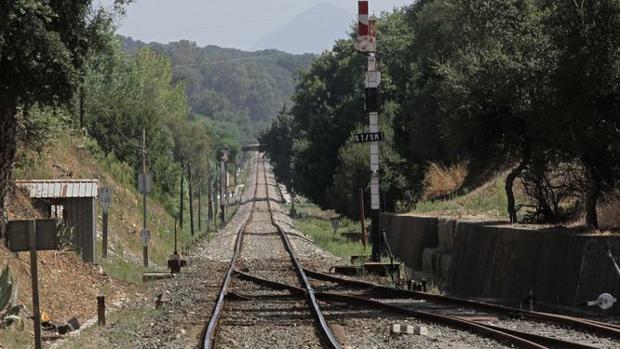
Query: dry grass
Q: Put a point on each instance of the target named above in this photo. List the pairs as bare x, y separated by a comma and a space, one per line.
440, 180
609, 211
485, 202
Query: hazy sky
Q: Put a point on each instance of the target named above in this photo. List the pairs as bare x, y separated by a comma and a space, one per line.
228, 23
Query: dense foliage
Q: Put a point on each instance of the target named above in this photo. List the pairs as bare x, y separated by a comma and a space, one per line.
44, 46
532, 85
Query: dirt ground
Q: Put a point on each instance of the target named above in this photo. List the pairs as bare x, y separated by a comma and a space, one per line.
68, 287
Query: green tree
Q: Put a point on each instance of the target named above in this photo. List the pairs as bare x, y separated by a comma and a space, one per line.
584, 112
278, 143
130, 93
43, 47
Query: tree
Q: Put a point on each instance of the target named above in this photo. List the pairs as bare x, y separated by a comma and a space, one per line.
278, 143
584, 114
328, 105
43, 47
493, 93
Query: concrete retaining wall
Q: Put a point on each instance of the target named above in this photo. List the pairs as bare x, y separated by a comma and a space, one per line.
492, 260
413, 234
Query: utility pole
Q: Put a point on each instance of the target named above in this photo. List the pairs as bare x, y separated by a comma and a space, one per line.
181, 199
82, 107
292, 211
145, 232
368, 45
209, 200
223, 159
191, 201
200, 203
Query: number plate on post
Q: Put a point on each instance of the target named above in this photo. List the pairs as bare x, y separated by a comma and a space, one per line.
368, 137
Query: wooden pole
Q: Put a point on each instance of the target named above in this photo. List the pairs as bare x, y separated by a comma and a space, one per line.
175, 236
210, 200
36, 312
101, 310
216, 201
191, 201
145, 247
200, 204
181, 204
222, 191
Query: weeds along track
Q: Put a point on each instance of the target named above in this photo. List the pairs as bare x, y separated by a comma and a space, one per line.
248, 314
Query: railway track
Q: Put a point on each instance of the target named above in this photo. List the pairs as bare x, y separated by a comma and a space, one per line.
268, 299
248, 312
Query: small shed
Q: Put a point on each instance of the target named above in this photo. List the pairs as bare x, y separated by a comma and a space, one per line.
78, 200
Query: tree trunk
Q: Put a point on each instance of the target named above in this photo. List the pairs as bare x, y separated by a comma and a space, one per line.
8, 148
593, 191
510, 196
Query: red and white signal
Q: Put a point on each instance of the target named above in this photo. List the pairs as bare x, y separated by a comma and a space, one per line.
366, 31
363, 24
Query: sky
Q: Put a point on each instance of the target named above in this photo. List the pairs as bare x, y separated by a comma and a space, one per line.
228, 23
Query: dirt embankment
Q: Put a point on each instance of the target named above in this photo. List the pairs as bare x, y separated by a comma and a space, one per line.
68, 287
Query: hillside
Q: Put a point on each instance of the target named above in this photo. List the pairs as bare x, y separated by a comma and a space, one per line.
69, 286
245, 89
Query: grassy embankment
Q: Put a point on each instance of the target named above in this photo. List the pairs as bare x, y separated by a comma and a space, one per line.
487, 201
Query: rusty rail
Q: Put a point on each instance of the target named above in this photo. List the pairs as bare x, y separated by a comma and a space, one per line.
452, 321
327, 336
210, 333
574, 322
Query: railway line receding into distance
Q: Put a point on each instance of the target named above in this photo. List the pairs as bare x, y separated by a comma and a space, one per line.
270, 297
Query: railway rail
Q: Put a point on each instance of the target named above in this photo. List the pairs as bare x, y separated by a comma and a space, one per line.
261, 223
274, 290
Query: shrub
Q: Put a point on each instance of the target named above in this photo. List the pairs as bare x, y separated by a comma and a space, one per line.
440, 180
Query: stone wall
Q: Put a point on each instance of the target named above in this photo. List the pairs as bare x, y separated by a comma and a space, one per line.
484, 259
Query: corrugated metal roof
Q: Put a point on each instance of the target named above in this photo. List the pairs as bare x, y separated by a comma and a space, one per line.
60, 188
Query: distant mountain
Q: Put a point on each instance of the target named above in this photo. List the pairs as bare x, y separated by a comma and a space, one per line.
231, 85
312, 31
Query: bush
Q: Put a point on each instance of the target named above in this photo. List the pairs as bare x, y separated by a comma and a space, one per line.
440, 180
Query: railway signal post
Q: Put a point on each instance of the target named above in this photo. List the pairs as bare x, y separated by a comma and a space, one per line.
367, 44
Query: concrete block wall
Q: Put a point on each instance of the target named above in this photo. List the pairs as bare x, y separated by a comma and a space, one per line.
413, 235
492, 260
